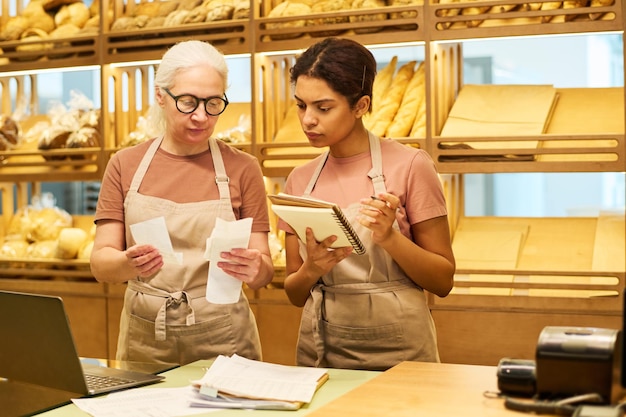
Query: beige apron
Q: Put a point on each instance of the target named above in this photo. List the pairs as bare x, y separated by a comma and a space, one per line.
366, 313
167, 318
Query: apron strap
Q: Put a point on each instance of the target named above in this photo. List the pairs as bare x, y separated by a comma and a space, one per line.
376, 173
221, 179
144, 164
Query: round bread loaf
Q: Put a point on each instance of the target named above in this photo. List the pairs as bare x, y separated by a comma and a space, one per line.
286, 9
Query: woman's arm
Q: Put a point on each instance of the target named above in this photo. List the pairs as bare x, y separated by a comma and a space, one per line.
428, 260
112, 262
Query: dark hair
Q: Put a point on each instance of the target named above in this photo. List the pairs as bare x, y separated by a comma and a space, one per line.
347, 66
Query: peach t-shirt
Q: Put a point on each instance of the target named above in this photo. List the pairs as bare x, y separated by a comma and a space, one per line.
185, 179
409, 174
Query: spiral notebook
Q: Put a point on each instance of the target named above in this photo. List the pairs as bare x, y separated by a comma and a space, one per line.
323, 217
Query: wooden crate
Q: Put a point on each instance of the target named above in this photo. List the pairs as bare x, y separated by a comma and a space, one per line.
489, 19
150, 42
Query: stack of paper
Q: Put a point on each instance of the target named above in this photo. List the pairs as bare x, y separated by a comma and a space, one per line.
236, 382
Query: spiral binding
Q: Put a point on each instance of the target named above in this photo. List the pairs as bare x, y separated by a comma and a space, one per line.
347, 228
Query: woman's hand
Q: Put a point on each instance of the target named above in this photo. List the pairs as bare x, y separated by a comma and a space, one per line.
378, 214
320, 257
243, 264
146, 260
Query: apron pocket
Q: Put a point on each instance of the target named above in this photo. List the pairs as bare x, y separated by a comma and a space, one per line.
376, 347
204, 340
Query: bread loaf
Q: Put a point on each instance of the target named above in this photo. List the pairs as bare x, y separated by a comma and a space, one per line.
550, 5
382, 82
392, 99
448, 13
69, 242
404, 15
75, 13
286, 9
329, 6
419, 124
377, 17
599, 3
411, 101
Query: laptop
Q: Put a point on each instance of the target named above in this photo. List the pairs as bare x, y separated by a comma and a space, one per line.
39, 360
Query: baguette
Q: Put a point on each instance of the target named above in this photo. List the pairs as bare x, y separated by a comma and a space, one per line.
392, 99
411, 101
382, 82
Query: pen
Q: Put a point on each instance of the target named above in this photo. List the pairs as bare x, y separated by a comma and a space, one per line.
373, 197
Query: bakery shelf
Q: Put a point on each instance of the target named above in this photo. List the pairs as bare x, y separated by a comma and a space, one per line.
231, 37
489, 19
544, 153
80, 50
368, 26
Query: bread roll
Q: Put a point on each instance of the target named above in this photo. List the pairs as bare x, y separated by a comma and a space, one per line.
38, 17
286, 9
405, 116
573, 4
45, 249
46, 223
85, 137
471, 11
329, 6
55, 137
368, 4
75, 13
14, 28
550, 5
242, 9
219, 10
404, 15
9, 131
195, 15
392, 99
14, 249
599, 3
69, 242
448, 13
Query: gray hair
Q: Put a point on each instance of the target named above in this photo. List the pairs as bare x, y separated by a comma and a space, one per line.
181, 56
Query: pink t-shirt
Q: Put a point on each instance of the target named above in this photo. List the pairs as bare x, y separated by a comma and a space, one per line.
185, 179
409, 174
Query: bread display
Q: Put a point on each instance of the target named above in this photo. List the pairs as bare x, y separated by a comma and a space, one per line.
42, 230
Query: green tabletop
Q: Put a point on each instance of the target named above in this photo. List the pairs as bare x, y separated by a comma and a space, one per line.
340, 382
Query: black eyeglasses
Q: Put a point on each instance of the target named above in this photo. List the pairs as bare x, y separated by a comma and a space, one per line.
186, 103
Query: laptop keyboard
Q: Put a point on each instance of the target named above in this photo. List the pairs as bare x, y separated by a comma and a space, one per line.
95, 382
